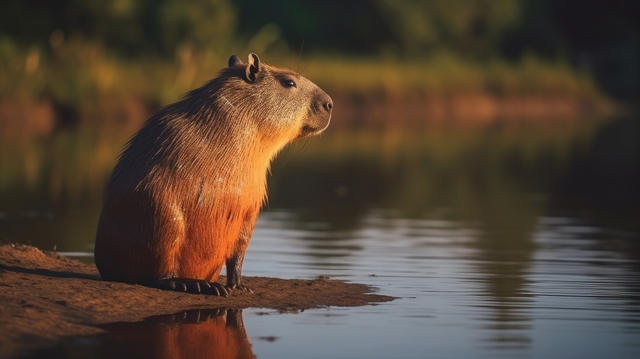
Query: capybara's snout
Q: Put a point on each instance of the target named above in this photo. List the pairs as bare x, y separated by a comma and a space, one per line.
322, 103
321, 107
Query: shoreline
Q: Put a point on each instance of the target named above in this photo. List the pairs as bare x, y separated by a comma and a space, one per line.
47, 297
23, 119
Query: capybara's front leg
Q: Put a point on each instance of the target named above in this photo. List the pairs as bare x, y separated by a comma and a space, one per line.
234, 273
234, 263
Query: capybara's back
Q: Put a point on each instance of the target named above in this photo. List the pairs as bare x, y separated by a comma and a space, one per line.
185, 195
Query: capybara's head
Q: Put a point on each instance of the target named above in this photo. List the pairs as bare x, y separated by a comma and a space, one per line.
282, 104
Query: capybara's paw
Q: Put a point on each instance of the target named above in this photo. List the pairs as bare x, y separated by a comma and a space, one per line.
192, 286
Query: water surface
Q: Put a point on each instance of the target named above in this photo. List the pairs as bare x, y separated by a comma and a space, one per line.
511, 240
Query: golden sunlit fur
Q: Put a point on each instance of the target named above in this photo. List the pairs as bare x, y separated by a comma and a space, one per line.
185, 195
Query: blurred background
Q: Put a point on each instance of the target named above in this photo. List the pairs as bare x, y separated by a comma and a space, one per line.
498, 139
457, 104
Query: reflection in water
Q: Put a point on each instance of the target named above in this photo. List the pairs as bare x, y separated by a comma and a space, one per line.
605, 181
216, 334
504, 258
505, 249
192, 334
336, 179
460, 169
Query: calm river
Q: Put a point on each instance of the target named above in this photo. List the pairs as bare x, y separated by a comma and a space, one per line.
514, 240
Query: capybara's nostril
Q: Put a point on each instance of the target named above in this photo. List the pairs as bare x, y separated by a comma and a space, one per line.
328, 105
322, 101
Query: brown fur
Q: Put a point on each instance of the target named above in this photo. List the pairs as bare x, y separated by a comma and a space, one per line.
185, 195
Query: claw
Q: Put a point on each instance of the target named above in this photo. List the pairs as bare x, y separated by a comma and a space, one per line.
246, 289
189, 286
240, 287
223, 291
180, 287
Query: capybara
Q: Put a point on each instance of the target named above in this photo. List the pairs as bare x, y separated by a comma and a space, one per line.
185, 195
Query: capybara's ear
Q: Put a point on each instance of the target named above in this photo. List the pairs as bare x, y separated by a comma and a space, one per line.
253, 67
234, 60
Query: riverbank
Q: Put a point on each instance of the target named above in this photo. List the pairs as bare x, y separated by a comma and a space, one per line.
46, 297
23, 120
80, 84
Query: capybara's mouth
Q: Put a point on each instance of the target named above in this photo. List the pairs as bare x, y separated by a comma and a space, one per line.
311, 130
308, 131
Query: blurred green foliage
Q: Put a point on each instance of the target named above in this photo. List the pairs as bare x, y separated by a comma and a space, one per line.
472, 27
115, 62
591, 35
128, 27
601, 36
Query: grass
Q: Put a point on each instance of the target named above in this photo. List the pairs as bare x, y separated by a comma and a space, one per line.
80, 74
445, 74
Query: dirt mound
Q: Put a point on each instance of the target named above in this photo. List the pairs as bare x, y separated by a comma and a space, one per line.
45, 296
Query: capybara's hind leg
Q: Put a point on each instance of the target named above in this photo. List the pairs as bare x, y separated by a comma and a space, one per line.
194, 286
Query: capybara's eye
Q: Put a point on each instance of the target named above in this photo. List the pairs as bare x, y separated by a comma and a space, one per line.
288, 83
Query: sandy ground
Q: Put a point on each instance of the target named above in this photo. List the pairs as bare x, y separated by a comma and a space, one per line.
45, 297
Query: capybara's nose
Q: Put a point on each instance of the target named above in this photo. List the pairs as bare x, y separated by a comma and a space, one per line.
323, 101
328, 105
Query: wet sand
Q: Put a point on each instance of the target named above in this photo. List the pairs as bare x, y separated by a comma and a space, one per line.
45, 297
